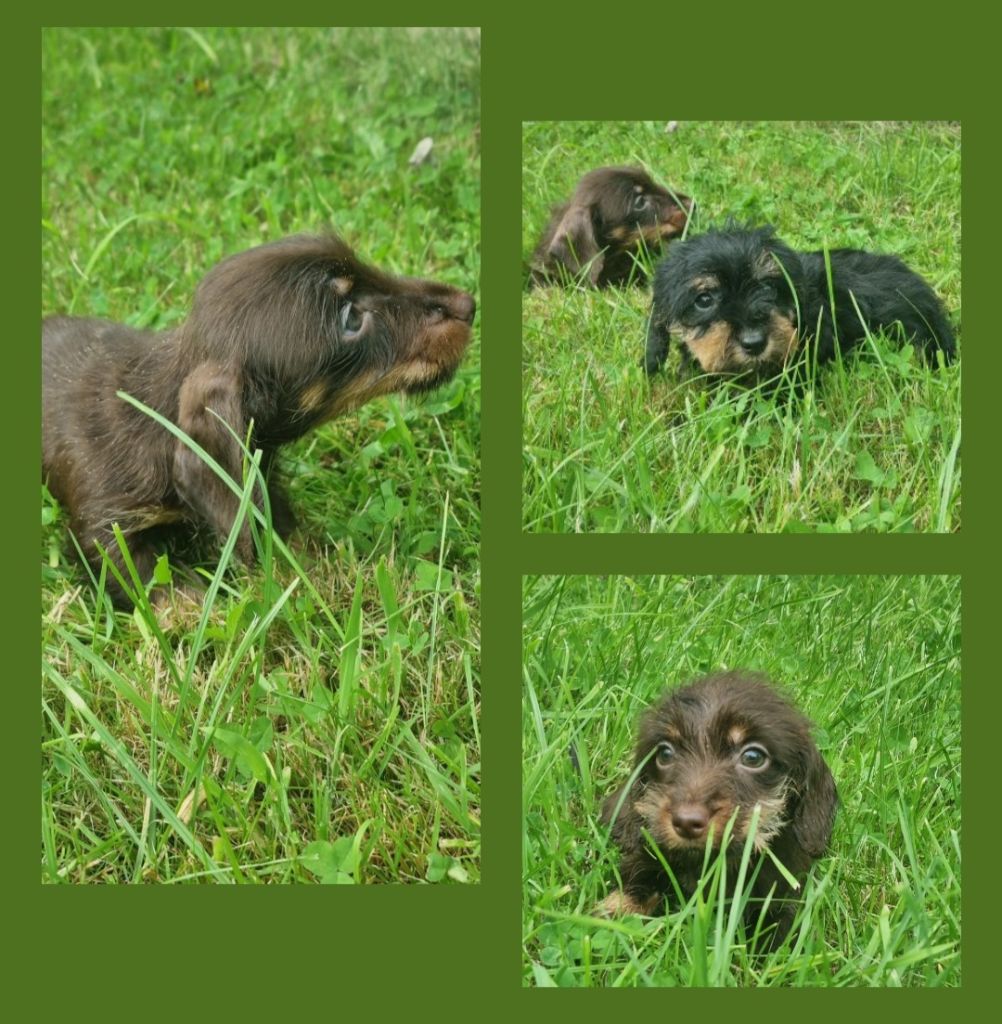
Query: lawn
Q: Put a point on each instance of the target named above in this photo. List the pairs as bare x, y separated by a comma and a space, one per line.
872, 444
318, 719
874, 661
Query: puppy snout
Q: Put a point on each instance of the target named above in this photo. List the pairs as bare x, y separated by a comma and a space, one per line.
691, 820
461, 306
753, 340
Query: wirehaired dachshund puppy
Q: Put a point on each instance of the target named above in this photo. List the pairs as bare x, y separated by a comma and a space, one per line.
742, 302
614, 213
708, 754
280, 339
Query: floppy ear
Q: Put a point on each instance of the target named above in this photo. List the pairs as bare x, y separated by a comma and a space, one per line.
574, 244
617, 801
815, 814
212, 388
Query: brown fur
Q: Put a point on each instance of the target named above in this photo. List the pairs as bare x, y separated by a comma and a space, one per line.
614, 213
280, 338
693, 780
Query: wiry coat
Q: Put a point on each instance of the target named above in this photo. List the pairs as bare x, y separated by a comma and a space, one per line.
708, 754
614, 214
741, 301
280, 338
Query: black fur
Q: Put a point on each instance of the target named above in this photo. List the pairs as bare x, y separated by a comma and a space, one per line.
742, 302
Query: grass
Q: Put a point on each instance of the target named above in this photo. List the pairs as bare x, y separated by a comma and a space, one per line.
318, 719
875, 661
871, 445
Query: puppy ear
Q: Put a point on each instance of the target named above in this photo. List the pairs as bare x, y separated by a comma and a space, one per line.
574, 243
818, 799
617, 801
212, 389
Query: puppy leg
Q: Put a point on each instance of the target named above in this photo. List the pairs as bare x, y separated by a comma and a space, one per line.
620, 902
93, 537
212, 389
657, 345
283, 519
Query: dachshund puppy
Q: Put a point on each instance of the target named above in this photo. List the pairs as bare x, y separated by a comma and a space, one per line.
742, 302
613, 214
707, 754
280, 339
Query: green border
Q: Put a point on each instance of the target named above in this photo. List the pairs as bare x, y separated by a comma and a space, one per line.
455, 953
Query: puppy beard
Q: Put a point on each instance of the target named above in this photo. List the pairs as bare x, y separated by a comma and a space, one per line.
438, 353
717, 350
655, 808
434, 358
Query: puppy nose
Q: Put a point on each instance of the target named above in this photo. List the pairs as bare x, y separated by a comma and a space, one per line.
461, 306
753, 340
690, 821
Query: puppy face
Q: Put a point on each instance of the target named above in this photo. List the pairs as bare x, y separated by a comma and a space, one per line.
614, 213
628, 207
713, 752
731, 299
306, 314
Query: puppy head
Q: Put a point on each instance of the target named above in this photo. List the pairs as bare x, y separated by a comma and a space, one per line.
620, 209
627, 207
730, 296
306, 316
715, 749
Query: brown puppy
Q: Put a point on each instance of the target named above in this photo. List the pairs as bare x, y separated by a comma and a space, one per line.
613, 214
708, 754
280, 339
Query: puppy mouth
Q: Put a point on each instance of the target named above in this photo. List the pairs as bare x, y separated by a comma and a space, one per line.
739, 350
438, 351
689, 826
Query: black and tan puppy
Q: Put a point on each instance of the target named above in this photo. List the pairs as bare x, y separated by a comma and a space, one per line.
708, 754
742, 303
280, 339
614, 213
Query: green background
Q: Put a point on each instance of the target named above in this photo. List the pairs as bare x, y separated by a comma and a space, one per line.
454, 953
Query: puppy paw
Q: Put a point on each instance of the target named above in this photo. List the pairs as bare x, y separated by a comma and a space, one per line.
619, 903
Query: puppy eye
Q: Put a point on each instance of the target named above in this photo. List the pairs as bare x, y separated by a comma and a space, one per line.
665, 755
704, 300
641, 202
754, 757
351, 320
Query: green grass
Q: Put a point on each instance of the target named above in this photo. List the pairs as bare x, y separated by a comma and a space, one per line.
872, 445
317, 721
875, 661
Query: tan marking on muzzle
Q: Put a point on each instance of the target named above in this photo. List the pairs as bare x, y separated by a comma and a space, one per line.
710, 348
783, 342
